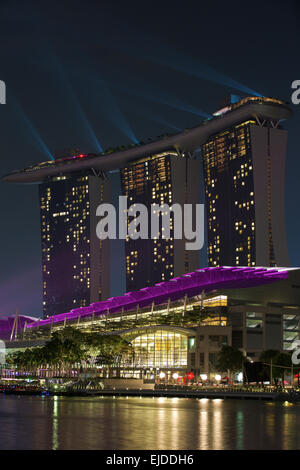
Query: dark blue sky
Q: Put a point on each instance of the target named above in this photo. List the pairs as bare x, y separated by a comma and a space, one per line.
98, 74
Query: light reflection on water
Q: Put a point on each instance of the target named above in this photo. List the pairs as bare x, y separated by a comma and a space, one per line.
146, 423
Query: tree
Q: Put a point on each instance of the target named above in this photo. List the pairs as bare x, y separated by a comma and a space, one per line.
65, 348
280, 360
230, 359
268, 355
70, 346
112, 349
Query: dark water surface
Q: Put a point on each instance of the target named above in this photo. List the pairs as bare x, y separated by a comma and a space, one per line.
146, 423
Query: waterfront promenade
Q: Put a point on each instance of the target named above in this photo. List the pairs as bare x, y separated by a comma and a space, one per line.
250, 393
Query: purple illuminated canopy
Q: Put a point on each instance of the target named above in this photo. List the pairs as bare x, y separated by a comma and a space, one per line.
202, 280
6, 324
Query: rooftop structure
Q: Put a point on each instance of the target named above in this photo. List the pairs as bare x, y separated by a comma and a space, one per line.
13, 324
181, 325
201, 281
243, 152
186, 141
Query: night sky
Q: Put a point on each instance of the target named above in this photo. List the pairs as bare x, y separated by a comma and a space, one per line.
92, 75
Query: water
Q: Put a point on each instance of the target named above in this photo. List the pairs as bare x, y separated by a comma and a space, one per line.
146, 423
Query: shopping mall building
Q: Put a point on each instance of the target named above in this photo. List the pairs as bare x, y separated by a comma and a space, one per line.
179, 326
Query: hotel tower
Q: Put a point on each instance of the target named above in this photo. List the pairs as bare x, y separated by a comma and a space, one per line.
75, 263
243, 149
244, 175
164, 178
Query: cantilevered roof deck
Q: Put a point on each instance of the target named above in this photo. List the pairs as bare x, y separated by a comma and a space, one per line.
190, 285
186, 141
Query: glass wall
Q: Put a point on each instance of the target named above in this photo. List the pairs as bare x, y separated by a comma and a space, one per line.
161, 348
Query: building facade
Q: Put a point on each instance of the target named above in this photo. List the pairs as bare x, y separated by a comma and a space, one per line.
75, 263
166, 178
180, 326
243, 153
244, 175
